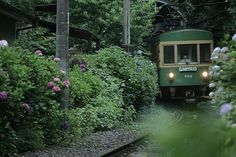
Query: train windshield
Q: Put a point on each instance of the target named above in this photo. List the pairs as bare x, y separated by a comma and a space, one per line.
205, 50
187, 53
169, 54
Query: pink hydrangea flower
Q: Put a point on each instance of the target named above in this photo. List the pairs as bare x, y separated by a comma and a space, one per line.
50, 85
56, 89
66, 83
56, 79
57, 59
26, 107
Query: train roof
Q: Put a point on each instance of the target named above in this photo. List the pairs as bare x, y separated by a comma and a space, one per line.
185, 35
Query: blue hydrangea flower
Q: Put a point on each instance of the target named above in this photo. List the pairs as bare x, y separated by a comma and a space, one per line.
234, 37
211, 94
3, 43
224, 49
226, 108
212, 85
216, 51
216, 68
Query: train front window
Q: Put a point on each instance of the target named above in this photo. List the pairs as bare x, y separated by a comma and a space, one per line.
205, 50
187, 53
169, 54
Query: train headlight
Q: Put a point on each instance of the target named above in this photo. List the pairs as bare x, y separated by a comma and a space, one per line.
171, 75
205, 74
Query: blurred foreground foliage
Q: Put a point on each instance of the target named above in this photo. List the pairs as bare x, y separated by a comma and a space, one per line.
202, 136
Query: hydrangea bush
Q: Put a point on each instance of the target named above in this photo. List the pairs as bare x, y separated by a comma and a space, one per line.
100, 101
29, 103
103, 91
110, 84
223, 74
136, 76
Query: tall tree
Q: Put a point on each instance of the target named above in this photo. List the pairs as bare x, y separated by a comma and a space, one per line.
213, 15
105, 18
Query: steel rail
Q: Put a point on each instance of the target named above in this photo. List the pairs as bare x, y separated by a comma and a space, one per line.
124, 147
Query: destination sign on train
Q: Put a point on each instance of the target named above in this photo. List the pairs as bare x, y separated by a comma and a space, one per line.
187, 68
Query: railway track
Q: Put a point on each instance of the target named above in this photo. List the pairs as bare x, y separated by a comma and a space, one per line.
128, 148
132, 148
176, 116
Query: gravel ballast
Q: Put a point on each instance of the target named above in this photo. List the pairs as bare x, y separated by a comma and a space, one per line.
94, 145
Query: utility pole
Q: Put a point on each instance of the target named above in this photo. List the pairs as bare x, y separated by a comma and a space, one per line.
62, 43
126, 25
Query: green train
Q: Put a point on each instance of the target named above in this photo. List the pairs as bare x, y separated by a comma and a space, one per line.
183, 59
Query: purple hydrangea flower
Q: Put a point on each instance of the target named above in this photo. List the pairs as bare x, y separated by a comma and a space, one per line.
226, 108
3, 96
26, 107
65, 125
83, 67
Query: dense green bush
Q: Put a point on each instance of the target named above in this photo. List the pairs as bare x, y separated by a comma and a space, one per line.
37, 38
101, 114
136, 76
110, 114
84, 87
29, 108
98, 98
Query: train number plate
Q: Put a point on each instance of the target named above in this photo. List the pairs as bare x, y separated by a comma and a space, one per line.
188, 76
187, 68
